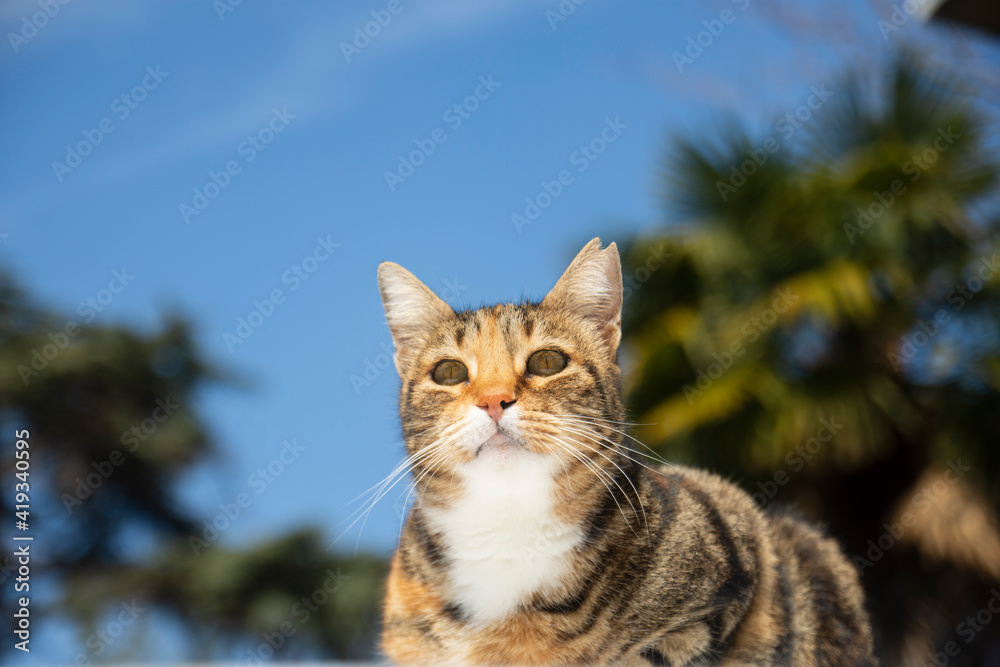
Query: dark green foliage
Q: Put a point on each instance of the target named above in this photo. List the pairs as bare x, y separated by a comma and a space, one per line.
725, 384
114, 422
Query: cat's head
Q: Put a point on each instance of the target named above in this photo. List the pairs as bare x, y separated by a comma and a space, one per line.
511, 380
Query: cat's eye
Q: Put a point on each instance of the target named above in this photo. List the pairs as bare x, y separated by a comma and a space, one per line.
449, 372
546, 363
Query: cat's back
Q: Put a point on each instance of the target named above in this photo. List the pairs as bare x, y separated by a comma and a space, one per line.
821, 595
784, 592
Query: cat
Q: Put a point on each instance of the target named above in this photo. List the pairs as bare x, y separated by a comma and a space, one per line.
537, 537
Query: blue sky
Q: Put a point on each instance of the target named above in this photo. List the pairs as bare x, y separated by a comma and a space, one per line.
308, 135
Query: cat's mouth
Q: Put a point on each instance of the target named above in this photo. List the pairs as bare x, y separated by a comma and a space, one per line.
497, 443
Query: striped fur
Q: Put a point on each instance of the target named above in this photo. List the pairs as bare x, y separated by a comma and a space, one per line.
539, 539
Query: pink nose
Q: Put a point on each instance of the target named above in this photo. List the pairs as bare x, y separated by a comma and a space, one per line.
495, 403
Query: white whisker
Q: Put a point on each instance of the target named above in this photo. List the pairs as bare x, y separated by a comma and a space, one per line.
595, 421
611, 461
621, 449
379, 491
600, 474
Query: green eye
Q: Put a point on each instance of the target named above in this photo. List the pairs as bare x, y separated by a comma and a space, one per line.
450, 372
546, 362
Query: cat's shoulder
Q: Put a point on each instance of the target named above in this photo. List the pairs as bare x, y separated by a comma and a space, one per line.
705, 486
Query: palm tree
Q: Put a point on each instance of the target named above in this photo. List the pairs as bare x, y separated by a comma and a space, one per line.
827, 330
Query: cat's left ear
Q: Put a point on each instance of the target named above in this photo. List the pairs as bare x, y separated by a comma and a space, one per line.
412, 310
592, 288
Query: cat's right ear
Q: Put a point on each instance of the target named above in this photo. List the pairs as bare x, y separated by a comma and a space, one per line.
592, 288
411, 309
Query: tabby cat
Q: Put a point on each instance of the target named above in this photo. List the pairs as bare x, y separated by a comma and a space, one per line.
537, 538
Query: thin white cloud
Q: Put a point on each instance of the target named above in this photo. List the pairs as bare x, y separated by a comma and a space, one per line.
308, 77
76, 18
427, 22
303, 80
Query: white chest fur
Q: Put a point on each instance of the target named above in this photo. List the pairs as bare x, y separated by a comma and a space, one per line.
502, 540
